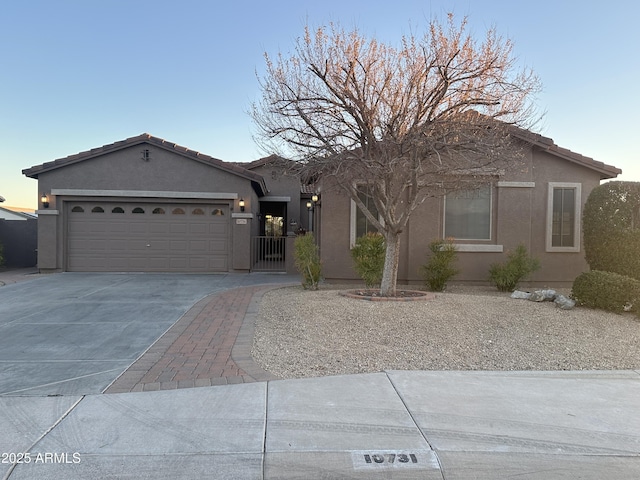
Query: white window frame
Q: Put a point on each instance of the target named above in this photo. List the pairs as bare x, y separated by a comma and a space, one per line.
352, 223
576, 221
444, 219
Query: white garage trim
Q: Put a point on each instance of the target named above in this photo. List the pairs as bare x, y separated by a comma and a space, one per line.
143, 194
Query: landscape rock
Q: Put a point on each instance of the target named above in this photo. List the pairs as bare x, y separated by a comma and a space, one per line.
564, 303
520, 295
549, 295
537, 296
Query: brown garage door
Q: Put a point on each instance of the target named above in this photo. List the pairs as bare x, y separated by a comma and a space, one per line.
144, 237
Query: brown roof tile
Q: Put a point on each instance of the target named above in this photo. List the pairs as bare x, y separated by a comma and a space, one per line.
547, 144
34, 171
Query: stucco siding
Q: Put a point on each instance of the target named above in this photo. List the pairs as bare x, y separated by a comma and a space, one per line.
520, 201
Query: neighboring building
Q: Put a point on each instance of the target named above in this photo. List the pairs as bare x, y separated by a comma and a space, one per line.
11, 213
18, 236
145, 204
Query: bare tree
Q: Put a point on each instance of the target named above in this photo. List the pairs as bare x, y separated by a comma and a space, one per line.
398, 124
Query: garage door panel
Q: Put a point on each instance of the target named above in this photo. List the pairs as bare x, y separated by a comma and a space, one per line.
159, 228
179, 263
138, 226
118, 264
197, 231
197, 246
119, 245
159, 245
137, 246
116, 241
218, 246
179, 246
179, 228
218, 230
218, 263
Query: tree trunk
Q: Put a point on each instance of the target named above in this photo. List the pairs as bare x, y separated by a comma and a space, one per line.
391, 261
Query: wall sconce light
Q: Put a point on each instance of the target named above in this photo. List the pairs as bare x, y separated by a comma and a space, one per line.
314, 198
309, 205
45, 200
241, 204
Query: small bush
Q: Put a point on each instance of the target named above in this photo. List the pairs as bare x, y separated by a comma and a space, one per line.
368, 254
307, 261
607, 291
441, 265
519, 265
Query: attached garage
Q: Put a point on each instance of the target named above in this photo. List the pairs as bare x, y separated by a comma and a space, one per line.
146, 205
147, 237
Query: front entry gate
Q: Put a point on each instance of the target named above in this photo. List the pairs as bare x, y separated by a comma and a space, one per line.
268, 254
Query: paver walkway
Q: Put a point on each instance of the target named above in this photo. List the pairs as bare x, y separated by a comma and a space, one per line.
210, 345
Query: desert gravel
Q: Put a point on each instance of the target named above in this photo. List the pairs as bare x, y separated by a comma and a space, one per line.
315, 333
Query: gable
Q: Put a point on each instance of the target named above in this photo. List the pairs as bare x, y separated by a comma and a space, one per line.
546, 144
145, 163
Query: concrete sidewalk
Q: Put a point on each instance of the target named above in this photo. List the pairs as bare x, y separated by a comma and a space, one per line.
394, 425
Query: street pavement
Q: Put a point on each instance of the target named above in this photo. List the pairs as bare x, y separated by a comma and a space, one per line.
386, 425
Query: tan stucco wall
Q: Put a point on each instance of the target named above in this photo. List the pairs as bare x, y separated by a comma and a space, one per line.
124, 171
283, 184
519, 216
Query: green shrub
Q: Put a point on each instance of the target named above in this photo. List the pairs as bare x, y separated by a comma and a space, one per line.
368, 254
307, 261
611, 228
440, 266
607, 291
518, 266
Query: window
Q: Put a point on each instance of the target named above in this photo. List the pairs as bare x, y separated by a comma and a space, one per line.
177, 211
197, 211
217, 212
563, 217
158, 211
361, 225
467, 214
97, 210
137, 210
77, 209
117, 210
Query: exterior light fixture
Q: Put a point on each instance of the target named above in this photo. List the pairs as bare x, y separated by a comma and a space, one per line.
45, 200
241, 203
314, 198
309, 205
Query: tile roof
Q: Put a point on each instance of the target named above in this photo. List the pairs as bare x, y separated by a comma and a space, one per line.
547, 144
236, 169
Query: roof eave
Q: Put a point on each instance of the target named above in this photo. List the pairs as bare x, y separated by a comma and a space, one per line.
548, 145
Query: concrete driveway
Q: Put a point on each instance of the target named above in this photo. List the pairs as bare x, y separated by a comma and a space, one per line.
74, 333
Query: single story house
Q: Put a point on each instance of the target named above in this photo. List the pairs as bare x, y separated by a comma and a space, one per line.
148, 205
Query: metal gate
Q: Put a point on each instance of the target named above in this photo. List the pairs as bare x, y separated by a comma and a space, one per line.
268, 254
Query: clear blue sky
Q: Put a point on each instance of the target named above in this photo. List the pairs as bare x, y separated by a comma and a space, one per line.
78, 74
